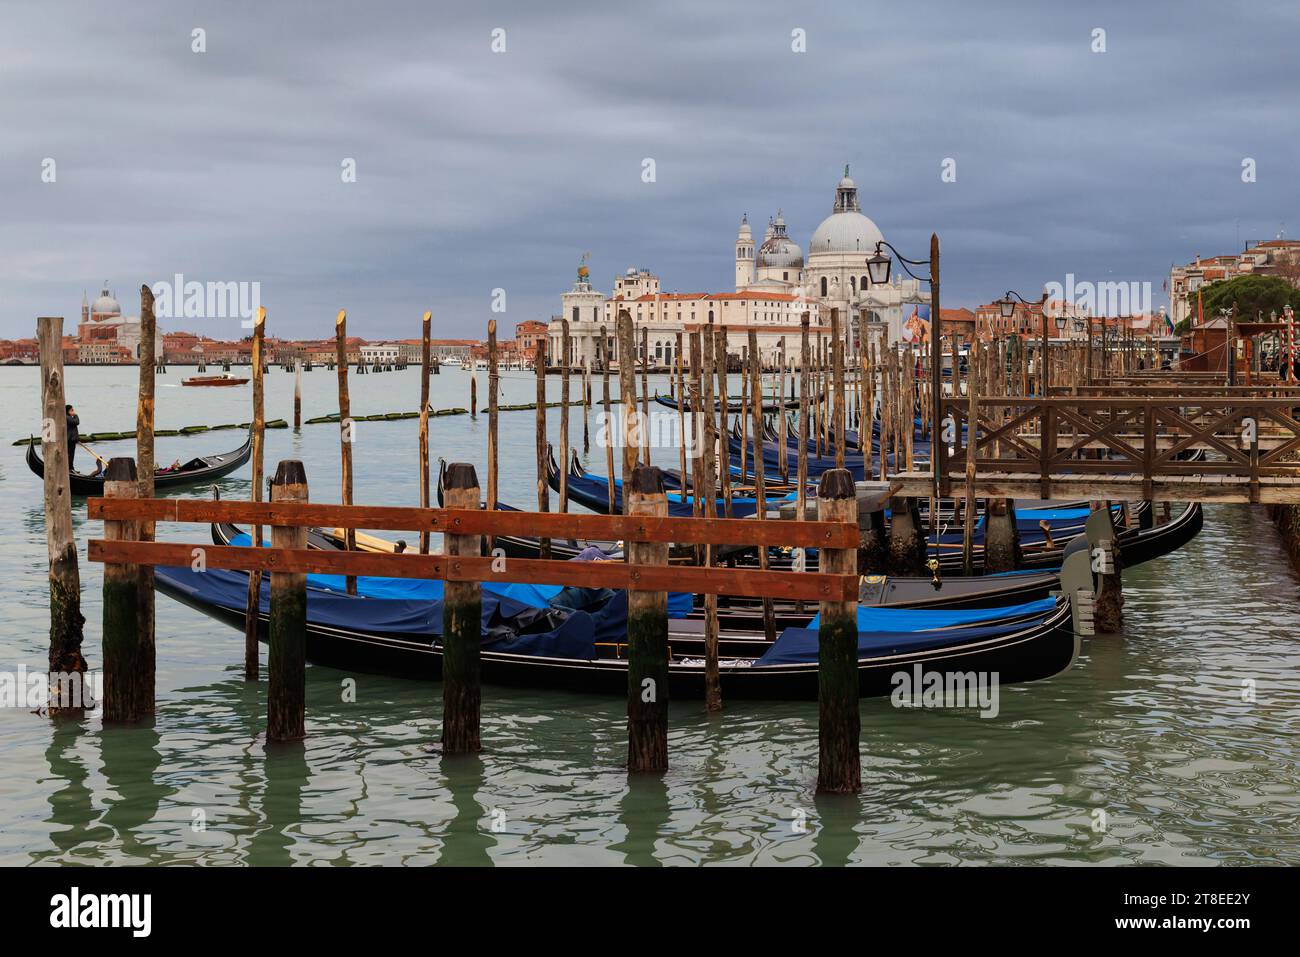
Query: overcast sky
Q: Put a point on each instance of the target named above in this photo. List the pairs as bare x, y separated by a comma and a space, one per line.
477, 170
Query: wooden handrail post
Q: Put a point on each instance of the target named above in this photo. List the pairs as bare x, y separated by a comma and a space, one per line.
121, 604
462, 613
647, 635
839, 766
286, 657
66, 620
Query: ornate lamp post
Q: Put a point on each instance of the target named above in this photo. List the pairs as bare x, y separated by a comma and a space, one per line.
878, 265
1007, 307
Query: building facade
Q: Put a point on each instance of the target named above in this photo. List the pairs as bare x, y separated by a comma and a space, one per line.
775, 284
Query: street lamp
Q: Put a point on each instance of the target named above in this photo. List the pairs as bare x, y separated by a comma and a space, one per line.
1007, 307
878, 265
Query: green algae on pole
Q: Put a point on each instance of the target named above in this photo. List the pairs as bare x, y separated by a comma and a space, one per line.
123, 638
286, 657
647, 635
66, 620
839, 768
462, 613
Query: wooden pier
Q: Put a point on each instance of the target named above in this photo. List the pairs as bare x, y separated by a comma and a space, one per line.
1234, 448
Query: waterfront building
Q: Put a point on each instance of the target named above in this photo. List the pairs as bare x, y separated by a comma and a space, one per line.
774, 285
106, 335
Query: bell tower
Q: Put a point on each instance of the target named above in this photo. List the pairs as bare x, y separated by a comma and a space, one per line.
744, 255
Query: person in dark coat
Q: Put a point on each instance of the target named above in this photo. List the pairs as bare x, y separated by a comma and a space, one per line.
73, 435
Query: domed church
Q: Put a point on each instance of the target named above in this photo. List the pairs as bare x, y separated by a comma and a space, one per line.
835, 271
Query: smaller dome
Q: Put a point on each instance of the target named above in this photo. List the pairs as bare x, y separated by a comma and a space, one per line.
778, 249
105, 305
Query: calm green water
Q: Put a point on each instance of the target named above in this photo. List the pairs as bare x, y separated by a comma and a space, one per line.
1149, 727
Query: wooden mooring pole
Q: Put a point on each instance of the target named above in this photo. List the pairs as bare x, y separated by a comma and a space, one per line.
144, 434
647, 635
66, 620
607, 433
494, 414
258, 425
839, 769
461, 625
347, 432
564, 415
286, 659
424, 422
122, 637
543, 488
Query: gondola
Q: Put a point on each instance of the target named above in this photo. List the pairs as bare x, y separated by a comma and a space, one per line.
584, 651
734, 406
205, 468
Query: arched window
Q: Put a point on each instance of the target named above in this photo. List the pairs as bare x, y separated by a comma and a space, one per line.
862, 283
853, 284
823, 285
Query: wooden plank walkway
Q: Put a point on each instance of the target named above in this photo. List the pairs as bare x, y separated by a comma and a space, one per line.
1115, 487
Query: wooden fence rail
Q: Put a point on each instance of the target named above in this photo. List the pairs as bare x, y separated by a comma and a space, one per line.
646, 576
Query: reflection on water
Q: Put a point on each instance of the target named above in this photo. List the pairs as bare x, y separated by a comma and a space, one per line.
1146, 752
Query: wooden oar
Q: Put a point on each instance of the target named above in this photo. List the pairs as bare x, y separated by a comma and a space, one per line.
98, 458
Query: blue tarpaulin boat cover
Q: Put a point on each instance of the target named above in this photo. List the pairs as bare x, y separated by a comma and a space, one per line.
426, 589
798, 646
928, 619
508, 625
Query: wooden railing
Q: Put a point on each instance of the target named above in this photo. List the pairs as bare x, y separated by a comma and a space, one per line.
646, 531
1142, 440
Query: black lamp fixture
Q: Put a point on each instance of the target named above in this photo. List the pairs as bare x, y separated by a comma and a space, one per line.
878, 264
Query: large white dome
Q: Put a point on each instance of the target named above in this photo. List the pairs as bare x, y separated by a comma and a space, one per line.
846, 232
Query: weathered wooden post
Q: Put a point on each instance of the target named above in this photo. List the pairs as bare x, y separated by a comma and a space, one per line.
1001, 536
839, 769
473, 394
424, 423
286, 659
66, 620
645, 394
462, 613
122, 637
720, 361
760, 492
1107, 565
972, 453
647, 635
346, 433
144, 428
607, 432
564, 415
494, 415
627, 396
258, 426
543, 488
297, 397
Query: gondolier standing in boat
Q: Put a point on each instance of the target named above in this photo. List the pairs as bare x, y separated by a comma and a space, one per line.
73, 434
